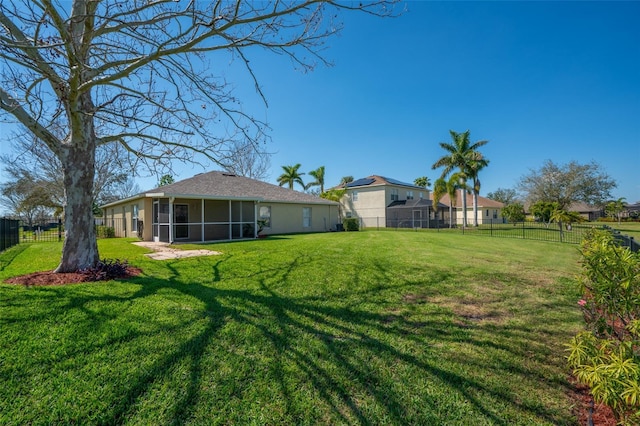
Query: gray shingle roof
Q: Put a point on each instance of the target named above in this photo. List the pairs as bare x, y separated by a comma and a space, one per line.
224, 185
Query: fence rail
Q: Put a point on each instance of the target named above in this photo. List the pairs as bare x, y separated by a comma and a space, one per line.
568, 233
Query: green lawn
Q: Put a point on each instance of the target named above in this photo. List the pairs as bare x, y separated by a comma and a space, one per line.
627, 228
367, 327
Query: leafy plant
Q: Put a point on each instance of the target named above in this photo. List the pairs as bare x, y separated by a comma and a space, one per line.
107, 269
105, 231
607, 356
514, 212
351, 224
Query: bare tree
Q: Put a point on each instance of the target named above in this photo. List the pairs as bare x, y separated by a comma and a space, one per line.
31, 158
137, 74
247, 159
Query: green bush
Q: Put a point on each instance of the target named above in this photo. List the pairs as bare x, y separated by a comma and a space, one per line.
351, 224
607, 356
105, 231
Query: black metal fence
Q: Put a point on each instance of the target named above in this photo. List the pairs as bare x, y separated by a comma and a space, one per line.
564, 233
567, 233
52, 230
9, 233
625, 240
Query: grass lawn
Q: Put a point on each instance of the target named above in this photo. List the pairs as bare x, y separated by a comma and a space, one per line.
367, 327
627, 228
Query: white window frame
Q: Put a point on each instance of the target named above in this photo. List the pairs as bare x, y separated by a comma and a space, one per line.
409, 195
266, 217
354, 196
306, 217
394, 194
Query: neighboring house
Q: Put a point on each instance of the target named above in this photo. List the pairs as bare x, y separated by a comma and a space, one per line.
632, 210
587, 211
489, 211
381, 202
218, 206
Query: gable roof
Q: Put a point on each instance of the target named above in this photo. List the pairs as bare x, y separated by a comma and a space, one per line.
483, 202
222, 185
375, 180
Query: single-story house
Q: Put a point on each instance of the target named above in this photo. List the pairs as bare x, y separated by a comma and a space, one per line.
383, 202
219, 206
489, 211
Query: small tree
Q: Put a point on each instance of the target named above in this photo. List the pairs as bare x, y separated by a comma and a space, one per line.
166, 180
615, 208
543, 210
514, 213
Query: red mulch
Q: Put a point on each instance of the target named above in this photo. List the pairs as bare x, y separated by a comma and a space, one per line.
602, 415
52, 278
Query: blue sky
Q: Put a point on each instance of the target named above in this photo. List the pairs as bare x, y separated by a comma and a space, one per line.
538, 80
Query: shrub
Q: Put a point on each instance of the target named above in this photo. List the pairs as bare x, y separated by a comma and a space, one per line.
607, 356
351, 224
105, 231
107, 269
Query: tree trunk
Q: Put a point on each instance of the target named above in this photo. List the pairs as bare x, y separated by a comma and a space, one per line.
80, 250
475, 209
463, 192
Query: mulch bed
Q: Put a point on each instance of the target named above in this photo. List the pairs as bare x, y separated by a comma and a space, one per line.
601, 415
49, 278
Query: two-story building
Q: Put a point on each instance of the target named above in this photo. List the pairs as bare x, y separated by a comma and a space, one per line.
381, 202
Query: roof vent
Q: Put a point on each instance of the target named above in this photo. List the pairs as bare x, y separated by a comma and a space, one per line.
229, 174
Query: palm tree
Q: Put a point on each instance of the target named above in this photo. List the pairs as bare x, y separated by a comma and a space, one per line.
443, 186
318, 174
291, 176
345, 180
615, 208
422, 181
460, 154
473, 170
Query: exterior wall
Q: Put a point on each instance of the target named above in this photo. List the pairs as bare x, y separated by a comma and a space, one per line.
288, 218
485, 215
120, 218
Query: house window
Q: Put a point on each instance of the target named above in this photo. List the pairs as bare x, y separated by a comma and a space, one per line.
409, 195
495, 214
180, 216
394, 194
354, 196
134, 218
306, 217
421, 195
487, 211
265, 215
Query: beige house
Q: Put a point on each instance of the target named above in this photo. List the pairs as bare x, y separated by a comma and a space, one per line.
218, 206
381, 202
489, 211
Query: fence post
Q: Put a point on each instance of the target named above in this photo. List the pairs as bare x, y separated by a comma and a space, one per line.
491, 227
523, 236
59, 229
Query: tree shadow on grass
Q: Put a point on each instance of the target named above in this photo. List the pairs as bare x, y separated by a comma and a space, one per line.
348, 358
